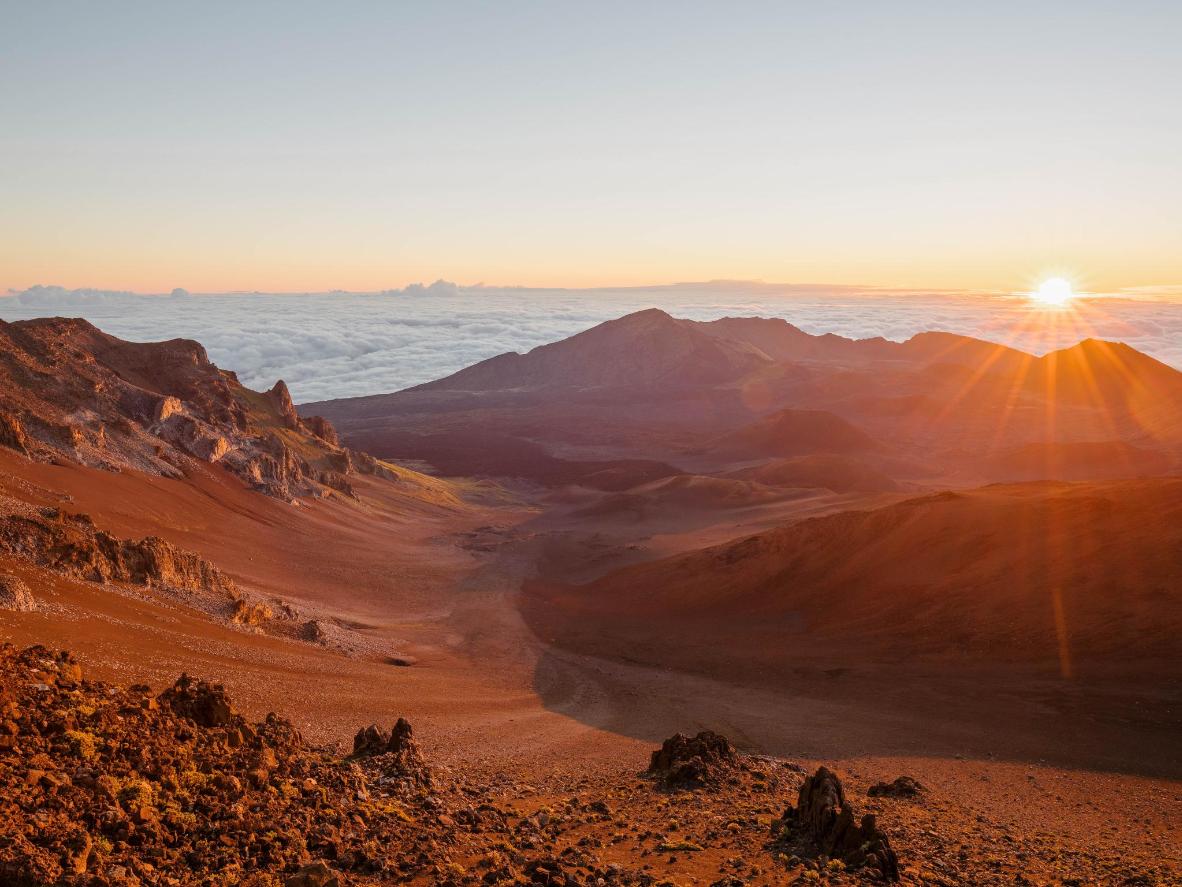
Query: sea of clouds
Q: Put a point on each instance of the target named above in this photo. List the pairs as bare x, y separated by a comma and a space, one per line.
327, 345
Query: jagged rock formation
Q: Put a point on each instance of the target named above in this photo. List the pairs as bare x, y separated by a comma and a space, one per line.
15, 595
206, 705
323, 429
70, 392
684, 762
72, 545
397, 754
824, 818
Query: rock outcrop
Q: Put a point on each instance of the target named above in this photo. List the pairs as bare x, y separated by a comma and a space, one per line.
323, 429
901, 787
824, 818
15, 595
12, 433
280, 398
685, 762
205, 704
70, 392
396, 753
72, 545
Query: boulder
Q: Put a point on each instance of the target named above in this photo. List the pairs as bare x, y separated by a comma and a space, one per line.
685, 762
201, 702
827, 820
901, 787
320, 427
371, 740
317, 874
15, 595
397, 753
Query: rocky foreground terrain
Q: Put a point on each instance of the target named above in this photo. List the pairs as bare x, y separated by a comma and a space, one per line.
101, 785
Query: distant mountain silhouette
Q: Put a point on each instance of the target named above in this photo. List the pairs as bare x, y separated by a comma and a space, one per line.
714, 396
648, 348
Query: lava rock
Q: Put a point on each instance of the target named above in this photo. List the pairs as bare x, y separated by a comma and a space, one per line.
902, 787
207, 705
827, 819
685, 762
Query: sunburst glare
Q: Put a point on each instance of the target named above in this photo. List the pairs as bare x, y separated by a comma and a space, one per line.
1055, 292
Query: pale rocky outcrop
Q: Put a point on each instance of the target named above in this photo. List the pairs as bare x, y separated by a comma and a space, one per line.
69, 392
70, 544
12, 433
280, 397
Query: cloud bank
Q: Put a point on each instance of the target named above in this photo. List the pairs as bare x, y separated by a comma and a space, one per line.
327, 345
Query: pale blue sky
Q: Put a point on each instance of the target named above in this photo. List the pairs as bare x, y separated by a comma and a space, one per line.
302, 146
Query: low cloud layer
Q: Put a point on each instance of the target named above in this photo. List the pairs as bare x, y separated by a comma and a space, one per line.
328, 345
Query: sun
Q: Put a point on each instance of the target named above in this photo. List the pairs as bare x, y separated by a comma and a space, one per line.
1054, 291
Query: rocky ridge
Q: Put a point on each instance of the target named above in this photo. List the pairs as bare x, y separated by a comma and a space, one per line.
69, 392
71, 545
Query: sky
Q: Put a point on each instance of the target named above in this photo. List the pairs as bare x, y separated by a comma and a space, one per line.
363, 146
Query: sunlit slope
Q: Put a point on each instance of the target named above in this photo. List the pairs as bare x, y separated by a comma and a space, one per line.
1021, 572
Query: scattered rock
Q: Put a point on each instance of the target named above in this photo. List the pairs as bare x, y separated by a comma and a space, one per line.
251, 615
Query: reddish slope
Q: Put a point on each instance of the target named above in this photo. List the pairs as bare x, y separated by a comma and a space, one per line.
1084, 460
838, 473
982, 575
794, 433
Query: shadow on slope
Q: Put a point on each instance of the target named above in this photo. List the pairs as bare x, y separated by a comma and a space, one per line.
995, 622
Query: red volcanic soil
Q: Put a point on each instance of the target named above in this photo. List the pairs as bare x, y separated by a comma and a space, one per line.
794, 433
1043, 594
842, 474
1108, 552
1082, 460
482, 453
